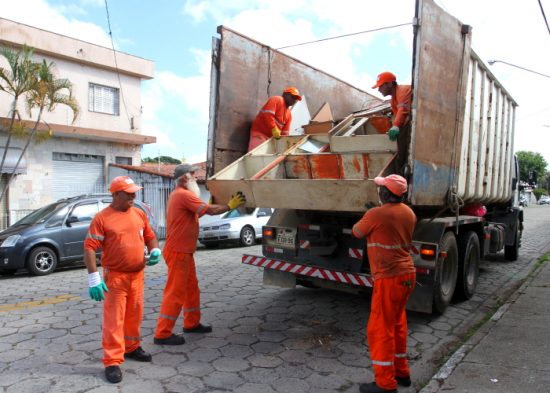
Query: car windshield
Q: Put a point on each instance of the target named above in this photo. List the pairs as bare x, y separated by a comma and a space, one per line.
238, 213
41, 214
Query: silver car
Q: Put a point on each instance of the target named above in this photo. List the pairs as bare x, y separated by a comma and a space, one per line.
242, 225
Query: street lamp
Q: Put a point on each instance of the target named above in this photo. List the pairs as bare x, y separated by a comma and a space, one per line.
491, 62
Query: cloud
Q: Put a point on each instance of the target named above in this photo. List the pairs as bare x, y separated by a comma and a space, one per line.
175, 110
39, 13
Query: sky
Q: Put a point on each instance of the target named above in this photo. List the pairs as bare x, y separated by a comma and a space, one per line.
177, 36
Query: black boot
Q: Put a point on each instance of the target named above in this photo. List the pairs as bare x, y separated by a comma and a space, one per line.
139, 355
113, 374
374, 388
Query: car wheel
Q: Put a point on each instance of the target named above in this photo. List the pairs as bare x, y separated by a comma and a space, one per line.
41, 261
248, 237
7, 272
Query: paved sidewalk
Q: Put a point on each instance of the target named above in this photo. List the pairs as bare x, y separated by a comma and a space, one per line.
511, 352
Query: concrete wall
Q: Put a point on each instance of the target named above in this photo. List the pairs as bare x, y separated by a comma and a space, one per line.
34, 189
92, 133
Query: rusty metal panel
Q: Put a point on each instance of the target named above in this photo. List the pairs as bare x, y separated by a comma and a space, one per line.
463, 120
241, 83
441, 63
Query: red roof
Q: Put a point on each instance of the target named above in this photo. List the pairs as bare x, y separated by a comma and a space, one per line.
164, 170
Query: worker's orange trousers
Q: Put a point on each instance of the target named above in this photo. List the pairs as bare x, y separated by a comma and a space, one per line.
387, 329
122, 315
180, 293
256, 139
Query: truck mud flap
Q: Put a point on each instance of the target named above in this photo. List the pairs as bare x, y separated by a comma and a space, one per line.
421, 299
357, 279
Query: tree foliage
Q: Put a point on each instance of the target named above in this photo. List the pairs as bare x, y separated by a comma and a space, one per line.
42, 92
163, 160
17, 81
532, 166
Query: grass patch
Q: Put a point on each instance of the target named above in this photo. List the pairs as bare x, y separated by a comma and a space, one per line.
542, 260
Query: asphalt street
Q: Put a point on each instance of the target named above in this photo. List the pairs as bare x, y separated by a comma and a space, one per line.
265, 339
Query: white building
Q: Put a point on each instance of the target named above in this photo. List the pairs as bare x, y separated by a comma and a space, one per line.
107, 86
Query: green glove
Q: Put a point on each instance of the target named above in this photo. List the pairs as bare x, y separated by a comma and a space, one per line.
236, 200
154, 257
96, 287
276, 132
393, 133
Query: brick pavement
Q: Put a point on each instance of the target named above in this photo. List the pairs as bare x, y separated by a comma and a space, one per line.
265, 339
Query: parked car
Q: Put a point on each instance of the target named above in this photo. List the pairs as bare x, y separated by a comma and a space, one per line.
523, 200
53, 234
544, 200
242, 225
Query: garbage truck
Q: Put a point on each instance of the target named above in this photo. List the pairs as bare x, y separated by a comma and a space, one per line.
320, 183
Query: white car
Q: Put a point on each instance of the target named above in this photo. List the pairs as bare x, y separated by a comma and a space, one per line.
241, 225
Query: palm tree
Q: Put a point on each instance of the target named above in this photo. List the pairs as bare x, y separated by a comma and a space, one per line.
45, 94
16, 81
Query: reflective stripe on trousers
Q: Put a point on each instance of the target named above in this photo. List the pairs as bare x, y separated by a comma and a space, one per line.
387, 329
181, 293
122, 315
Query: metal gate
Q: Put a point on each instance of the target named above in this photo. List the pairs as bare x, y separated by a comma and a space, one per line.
76, 174
155, 194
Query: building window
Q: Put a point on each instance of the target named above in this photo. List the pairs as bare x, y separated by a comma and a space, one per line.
103, 99
123, 160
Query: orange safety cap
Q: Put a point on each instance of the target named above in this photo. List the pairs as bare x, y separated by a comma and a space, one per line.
294, 92
123, 183
395, 183
384, 77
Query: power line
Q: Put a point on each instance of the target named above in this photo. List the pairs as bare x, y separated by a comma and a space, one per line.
544, 16
344, 35
116, 65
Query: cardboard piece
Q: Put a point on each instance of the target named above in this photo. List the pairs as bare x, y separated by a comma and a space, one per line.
322, 122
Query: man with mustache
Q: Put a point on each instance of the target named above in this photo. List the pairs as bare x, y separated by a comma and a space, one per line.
182, 290
122, 232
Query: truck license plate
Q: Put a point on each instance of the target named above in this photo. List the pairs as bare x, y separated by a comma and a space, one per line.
286, 237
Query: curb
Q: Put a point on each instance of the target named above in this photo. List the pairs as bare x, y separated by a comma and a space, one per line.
511, 295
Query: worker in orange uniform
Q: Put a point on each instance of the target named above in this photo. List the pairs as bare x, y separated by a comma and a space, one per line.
389, 230
181, 292
400, 130
274, 119
122, 232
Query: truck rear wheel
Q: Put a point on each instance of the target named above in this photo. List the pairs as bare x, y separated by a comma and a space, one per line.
445, 272
468, 266
511, 252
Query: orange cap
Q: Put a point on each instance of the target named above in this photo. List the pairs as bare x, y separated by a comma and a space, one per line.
384, 77
123, 183
294, 91
395, 183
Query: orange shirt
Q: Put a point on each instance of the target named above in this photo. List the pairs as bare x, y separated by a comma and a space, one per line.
182, 220
122, 237
388, 229
401, 105
274, 113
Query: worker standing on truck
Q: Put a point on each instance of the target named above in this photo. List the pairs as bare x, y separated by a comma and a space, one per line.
274, 119
182, 290
400, 131
388, 230
122, 232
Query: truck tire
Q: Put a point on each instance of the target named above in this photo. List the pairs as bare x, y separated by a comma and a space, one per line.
511, 252
445, 273
468, 265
